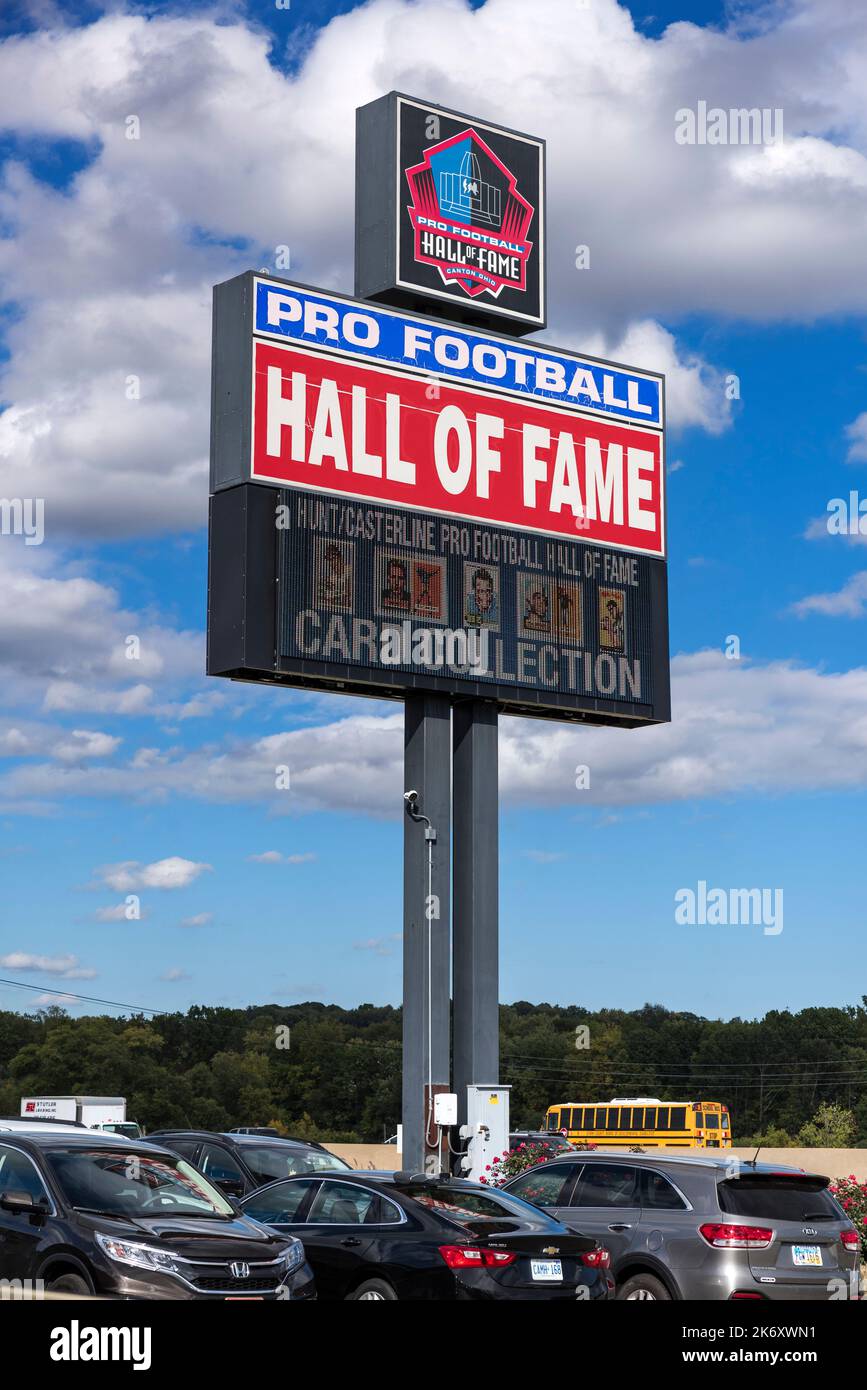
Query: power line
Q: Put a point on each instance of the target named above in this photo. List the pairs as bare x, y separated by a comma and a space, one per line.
83, 998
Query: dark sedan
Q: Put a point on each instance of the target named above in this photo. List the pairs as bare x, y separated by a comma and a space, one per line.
386, 1236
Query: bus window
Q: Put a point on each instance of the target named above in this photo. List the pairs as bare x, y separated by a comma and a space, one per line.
678, 1117
712, 1121
650, 1117
588, 1119
626, 1117
552, 1119
662, 1117
613, 1118
699, 1120
638, 1117
568, 1120
725, 1121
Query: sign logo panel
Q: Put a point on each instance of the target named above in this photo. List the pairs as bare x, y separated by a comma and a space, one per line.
471, 230
469, 218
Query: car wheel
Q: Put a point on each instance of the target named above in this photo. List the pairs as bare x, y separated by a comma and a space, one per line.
644, 1286
372, 1289
68, 1283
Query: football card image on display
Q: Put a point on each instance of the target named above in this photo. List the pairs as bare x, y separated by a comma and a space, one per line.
612, 619
410, 586
481, 596
568, 612
333, 575
534, 605
428, 588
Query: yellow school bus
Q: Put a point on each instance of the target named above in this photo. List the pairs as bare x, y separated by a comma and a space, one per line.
643, 1120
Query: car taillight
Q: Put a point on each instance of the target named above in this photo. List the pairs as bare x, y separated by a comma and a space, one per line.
600, 1258
474, 1257
742, 1293
850, 1239
724, 1236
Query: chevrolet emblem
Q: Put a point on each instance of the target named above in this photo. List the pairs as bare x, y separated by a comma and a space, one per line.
551, 1250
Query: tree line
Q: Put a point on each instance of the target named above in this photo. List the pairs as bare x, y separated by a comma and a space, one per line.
321, 1071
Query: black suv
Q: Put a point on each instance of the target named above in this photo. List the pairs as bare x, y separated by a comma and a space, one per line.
239, 1163
88, 1213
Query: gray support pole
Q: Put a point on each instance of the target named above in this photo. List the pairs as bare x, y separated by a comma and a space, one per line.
475, 802
427, 770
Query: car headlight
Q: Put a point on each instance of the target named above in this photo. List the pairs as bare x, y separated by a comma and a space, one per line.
293, 1258
129, 1252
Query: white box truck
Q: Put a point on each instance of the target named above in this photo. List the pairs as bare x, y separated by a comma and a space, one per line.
106, 1113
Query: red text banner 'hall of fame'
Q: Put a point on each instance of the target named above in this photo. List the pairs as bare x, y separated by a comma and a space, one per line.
337, 426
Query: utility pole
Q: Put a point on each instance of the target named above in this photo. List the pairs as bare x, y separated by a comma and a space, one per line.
426, 949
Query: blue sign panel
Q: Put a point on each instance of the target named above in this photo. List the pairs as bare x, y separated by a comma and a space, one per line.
363, 330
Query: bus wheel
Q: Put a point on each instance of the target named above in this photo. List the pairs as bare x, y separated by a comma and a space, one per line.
644, 1286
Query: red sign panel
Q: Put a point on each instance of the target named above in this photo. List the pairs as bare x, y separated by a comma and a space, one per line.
338, 426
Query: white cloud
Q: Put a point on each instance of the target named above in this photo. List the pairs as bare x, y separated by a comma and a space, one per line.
848, 602
273, 856
738, 727
672, 229
174, 975
173, 872
86, 743
379, 945
67, 967
199, 919
817, 530
63, 639
856, 433
117, 913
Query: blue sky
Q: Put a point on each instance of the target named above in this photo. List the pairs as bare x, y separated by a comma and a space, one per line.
748, 265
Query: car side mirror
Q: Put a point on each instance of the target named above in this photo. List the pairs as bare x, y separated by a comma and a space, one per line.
19, 1202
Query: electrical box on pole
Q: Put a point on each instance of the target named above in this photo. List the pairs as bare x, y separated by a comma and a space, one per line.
486, 1132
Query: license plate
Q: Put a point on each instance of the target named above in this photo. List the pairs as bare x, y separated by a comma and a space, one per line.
806, 1254
546, 1271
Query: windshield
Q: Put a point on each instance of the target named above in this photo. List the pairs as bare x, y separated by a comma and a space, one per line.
269, 1161
118, 1182
480, 1211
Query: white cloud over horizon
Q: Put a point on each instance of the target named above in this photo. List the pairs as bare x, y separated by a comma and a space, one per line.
738, 728
133, 245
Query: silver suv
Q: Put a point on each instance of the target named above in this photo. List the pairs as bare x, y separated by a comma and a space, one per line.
703, 1227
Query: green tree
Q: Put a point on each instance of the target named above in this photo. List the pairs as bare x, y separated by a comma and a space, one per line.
831, 1127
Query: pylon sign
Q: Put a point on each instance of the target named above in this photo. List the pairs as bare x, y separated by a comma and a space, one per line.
450, 214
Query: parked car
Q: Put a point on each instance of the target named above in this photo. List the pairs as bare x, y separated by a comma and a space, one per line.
701, 1227
90, 1213
387, 1236
556, 1143
10, 1124
239, 1163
